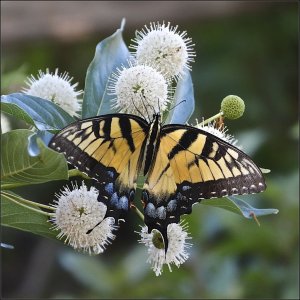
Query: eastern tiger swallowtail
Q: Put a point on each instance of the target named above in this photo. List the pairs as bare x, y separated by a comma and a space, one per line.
182, 165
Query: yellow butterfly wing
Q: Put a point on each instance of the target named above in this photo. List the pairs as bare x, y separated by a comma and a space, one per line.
107, 148
191, 165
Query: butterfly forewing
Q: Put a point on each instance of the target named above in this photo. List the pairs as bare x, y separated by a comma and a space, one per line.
183, 164
191, 165
107, 148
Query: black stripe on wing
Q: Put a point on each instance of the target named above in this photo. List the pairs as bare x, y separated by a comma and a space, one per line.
232, 173
73, 141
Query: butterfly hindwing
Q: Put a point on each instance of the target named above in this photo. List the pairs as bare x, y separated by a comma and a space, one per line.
191, 165
183, 165
107, 148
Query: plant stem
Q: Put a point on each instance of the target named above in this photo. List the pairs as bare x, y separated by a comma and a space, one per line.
19, 199
138, 212
75, 172
253, 215
211, 118
8, 186
31, 208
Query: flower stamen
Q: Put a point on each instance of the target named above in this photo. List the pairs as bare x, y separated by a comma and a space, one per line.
177, 246
76, 212
139, 89
56, 88
164, 49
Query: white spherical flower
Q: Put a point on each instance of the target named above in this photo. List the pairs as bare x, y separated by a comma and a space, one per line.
177, 249
139, 90
218, 132
80, 218
56, 88
161, 47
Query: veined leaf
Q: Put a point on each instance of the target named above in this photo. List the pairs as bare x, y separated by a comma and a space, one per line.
41, 113
184, 91
19, 217
110, 54
238, 206
18, 168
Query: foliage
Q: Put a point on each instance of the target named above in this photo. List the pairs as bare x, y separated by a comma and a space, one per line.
45, 115
230, 250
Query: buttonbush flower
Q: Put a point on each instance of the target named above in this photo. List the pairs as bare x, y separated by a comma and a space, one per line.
177, 249
56, 88
220, 132
139, 90
80, 217
232, 107
163, 48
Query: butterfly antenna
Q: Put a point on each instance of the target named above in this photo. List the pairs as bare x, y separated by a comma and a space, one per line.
174, 107
136, 108
158, 104
152, 107
177, 104
143, 97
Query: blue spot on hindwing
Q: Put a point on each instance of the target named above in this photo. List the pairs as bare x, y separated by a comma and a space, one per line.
109, 188
145, 196
186, 187
172, 205
150, 210
119, 202
110, 174
123, 203
114, 199
161, 212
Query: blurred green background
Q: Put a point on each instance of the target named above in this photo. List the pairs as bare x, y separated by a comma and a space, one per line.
249, 49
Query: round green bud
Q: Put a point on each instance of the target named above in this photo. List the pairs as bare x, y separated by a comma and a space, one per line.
232, 107
158, 240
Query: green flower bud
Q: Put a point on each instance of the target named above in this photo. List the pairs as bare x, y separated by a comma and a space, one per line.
158, 240
232, 107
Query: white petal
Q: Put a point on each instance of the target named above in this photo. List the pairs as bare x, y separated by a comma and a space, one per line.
56, 88
163, 48
139, 90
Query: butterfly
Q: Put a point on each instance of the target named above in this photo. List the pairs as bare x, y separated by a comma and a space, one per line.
182, 165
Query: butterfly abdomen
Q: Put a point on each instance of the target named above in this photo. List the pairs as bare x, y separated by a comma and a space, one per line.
151, 144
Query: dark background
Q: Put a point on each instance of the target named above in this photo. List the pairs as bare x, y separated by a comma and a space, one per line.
245, 48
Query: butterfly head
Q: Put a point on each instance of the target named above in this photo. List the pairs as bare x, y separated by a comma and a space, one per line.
156, 118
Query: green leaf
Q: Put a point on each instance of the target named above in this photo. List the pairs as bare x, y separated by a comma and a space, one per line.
41, 113
238, 206
110, 54
22, 218
18, 168
184, 91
